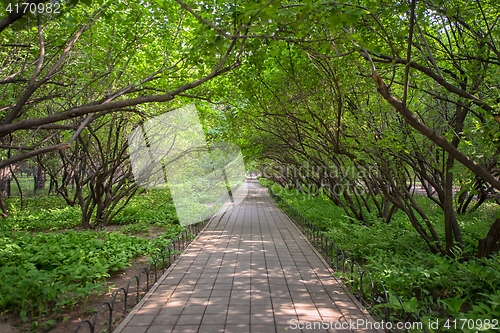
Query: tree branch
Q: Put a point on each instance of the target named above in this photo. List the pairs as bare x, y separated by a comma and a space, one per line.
83, 110
24, 156
441, 81
408, 52
413, 121
16, 15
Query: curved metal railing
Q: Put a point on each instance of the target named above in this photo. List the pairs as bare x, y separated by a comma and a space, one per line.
371, 294
105, 315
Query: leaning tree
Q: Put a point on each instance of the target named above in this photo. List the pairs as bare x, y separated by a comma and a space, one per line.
64, 70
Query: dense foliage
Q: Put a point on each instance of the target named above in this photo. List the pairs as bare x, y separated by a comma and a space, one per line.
388, 110
379, 98
378, 94
48, 264
431, 285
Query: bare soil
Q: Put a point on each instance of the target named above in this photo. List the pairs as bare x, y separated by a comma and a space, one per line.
68, 321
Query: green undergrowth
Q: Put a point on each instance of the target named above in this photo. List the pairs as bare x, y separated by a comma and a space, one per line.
153, 207
51, 213
49, 264
45, 213
44, 272
436, 287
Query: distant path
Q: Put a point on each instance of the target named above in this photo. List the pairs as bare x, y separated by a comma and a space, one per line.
250, 271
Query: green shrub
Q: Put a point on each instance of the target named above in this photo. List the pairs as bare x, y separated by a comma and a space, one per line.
153, 207
37, 270
435, 286
41, 213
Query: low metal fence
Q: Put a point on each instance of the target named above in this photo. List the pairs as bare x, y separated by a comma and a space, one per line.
122, 299
373, 295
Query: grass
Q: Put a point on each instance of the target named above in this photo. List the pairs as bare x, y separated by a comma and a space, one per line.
48, 263
27, 186
436, 287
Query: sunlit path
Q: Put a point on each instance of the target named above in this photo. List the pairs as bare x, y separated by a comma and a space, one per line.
252, 271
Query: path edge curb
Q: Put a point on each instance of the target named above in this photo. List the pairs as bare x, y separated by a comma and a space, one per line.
330, 269
143, 300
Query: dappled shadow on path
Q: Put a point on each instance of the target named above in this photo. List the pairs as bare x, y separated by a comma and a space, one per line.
251, 270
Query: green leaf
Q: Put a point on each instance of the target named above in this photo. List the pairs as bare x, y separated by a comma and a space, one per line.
453, 304
274, 52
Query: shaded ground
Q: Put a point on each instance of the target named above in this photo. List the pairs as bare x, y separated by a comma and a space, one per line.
249, 271
67, 321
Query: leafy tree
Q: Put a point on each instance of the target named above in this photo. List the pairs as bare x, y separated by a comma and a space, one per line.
117, 68
423, 52
63, 72
450, 56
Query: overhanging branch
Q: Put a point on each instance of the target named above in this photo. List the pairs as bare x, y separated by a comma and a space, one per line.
441, 141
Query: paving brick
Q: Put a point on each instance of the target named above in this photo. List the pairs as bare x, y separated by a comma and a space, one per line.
258, 328
215, 318
194, 310
238, 319
221, 293
160, 329
194, 300
201, 293
211, 328
240, 328
166, 319
186, 329
218, 300
216, 309
148, 311
250, 271
135, 329
189, 319
239, 301
141, 320
171, 311
243, 309
154, 303
261, 319
224, 286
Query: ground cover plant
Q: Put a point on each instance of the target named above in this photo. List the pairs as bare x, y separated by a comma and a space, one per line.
435, 286
382, 96
40, 214
49, 264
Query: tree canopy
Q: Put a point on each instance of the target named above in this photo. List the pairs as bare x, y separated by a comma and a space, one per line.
363, 100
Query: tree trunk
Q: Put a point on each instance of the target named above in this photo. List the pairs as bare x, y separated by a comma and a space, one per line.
451, 227
5, 176
40, 178
5, 213
432, 244
21, 195
490, 245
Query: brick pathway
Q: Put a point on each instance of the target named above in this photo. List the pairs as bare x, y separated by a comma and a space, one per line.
250, 271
